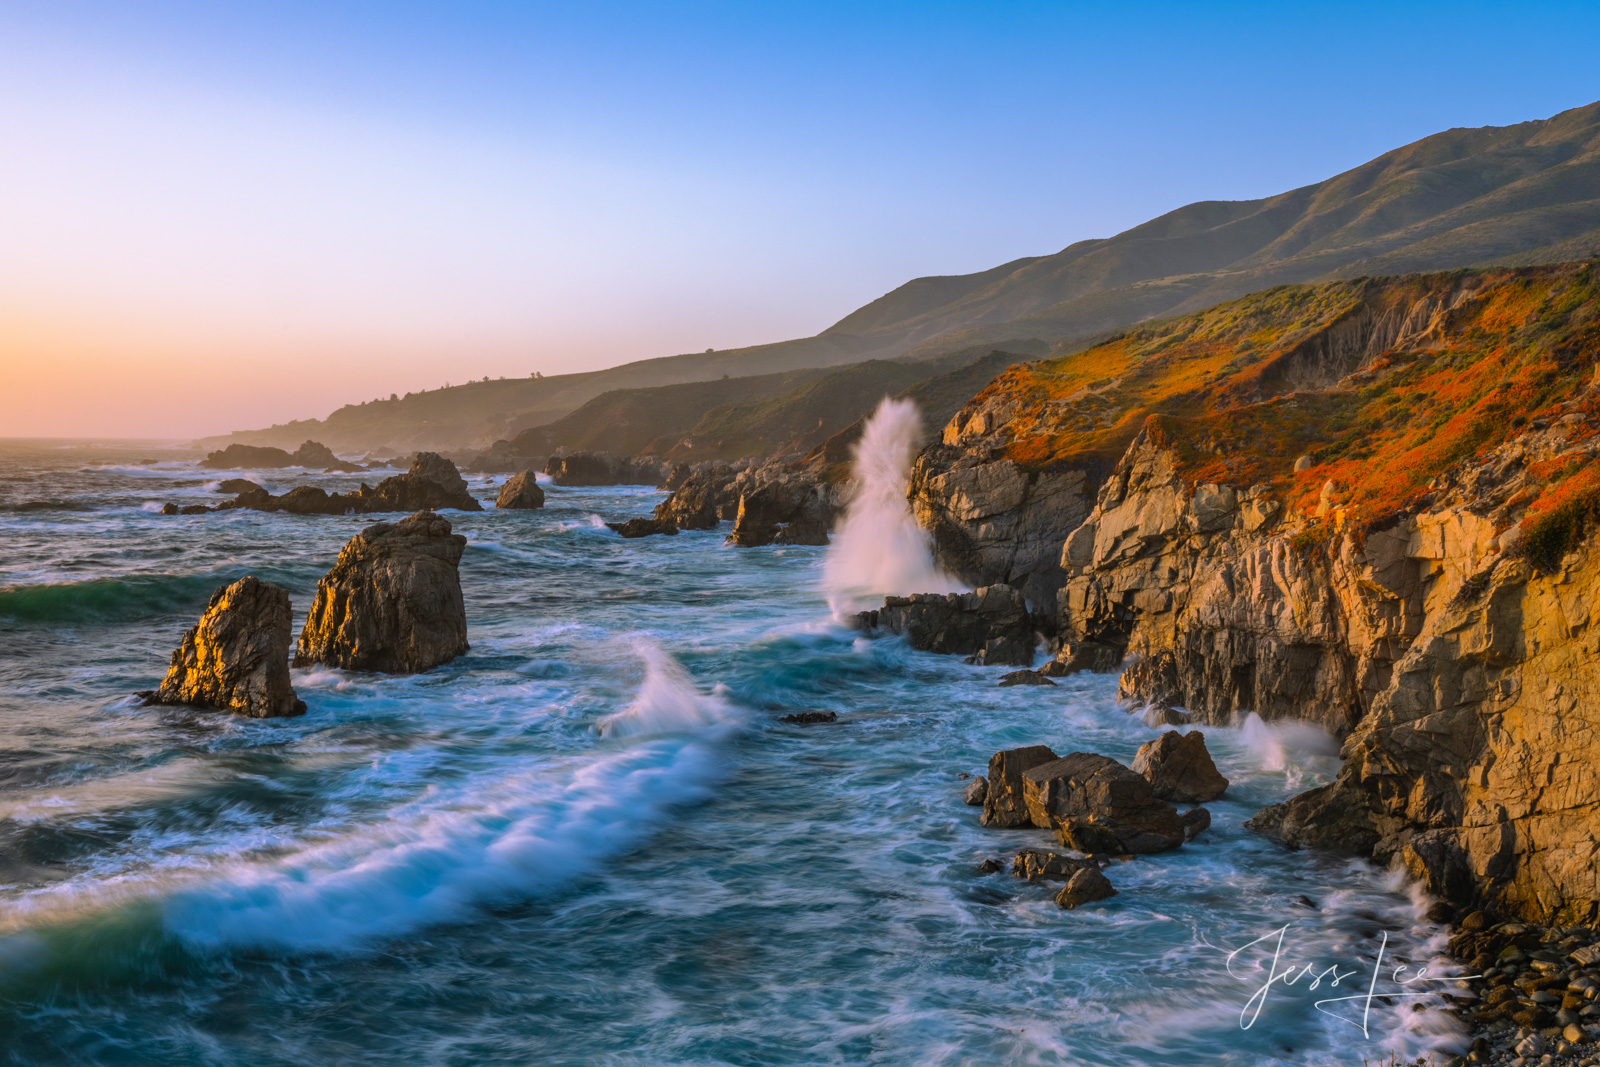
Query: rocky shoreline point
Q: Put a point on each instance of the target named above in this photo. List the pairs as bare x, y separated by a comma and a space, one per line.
1098, 808
236, 658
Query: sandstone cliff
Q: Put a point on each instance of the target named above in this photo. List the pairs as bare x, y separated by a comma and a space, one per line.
1365, 504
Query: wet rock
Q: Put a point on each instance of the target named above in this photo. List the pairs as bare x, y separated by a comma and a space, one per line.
976, 791
521, 492
783, 511
1037, 864
1179, 768
392, 602
248, 457
193, 509
602, 468
989, 866
641, 527
1024, 678
1085, 887
1082, 656
1196, 821
234, 486
169, 508
1095, 804
236, 658
807, 718
1158, 715
990, 625
1004, 805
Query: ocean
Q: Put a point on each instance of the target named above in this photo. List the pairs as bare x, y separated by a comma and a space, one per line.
593, 839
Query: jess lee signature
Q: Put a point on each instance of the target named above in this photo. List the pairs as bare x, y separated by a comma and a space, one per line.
1289, 975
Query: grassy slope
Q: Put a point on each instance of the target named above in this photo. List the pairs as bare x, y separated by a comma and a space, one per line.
1221, 387
1522, 194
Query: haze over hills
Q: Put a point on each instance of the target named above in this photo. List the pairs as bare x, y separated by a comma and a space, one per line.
1517, 195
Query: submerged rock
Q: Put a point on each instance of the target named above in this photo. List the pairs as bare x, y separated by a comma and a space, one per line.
1024, 678
521, 492
1085, 887
1004, 805
236, 658
1179, 768
1095, 804
642, 527
989, 625
807, 718
392, 602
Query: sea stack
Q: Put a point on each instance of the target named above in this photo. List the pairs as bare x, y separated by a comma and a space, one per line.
392, 602
236, 658
521, 492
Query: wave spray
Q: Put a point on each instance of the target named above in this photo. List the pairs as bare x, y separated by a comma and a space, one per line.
879, 549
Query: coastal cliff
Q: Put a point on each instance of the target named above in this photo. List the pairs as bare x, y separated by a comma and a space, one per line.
1365, 503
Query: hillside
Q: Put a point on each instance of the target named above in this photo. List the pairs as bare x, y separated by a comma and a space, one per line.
1518, 195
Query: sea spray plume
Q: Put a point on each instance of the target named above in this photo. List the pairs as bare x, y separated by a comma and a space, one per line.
667, 701
879, 549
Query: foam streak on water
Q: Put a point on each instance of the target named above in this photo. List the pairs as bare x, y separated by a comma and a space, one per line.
592, 839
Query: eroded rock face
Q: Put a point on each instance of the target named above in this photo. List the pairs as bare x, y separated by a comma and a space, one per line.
237, 656
392, 602
1179, 768
1004, 806
521, 492
602, 468
989, 625
1095, 804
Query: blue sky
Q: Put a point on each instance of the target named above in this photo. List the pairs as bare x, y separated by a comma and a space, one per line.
312, 203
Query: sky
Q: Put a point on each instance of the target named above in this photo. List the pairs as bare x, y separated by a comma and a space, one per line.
222, 216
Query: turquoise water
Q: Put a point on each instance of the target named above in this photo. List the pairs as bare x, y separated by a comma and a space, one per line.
591, 840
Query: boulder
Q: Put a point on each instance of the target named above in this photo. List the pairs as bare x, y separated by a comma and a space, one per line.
239, 485
521, 492
1085, 887
1196, 821
975, 792
642, 527
235, 457
1004, 805
1179, 768
1037, 864
989, 625
1024, 678
236, 658
1095, 804
1082, 656
392, 602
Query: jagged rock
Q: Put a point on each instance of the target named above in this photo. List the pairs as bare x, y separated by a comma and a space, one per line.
1086, 886
1179, 768
641, 527
787, 511
239, 485
1196, 821
1004, 805
1079, 656
1095, 804
1151, 680
392, 602
781, 503
522, 492
250, 457
810, 718
1157, 716
991, 625
602, 468
1024, 678
432, 482
1037, 864
236, 657
700, 499
975, 792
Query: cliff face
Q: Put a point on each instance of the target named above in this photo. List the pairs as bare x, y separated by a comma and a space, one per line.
1364, 504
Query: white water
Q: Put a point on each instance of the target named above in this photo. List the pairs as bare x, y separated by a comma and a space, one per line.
879, 549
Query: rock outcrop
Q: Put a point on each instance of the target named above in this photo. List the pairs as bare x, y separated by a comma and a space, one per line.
1086, 886
392, 602
247, 457
1095, 804
989, 625
1036, 864
317, 455
1179, 768
602, 468
642, 527
789, 510
236, 658
773, 503
432, 482
521, 492
1004, 805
